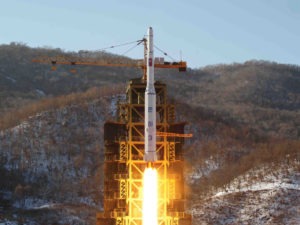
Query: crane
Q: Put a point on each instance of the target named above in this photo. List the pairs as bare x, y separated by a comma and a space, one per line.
139, 63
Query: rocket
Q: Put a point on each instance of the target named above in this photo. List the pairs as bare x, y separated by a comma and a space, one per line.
150, 104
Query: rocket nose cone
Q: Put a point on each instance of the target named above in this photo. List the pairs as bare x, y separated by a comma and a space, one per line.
150, 31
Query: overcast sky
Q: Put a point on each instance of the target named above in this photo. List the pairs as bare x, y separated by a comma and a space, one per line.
206, 32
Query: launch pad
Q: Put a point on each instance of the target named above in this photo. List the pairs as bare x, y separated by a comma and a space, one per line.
124, 161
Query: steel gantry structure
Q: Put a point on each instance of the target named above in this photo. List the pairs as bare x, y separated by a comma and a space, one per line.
125, 165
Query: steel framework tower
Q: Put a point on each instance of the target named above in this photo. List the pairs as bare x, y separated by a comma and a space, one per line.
124, 161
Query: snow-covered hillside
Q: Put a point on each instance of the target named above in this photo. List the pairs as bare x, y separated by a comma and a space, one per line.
266, 195
51, 170
52, 162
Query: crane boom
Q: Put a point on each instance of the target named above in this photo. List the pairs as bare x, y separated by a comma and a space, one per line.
139, 63
92, 62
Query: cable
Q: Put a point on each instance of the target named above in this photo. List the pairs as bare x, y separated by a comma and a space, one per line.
132, 47
119, 45
164, 53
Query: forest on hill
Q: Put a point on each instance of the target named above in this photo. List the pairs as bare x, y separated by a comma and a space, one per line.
245, 119
259, 94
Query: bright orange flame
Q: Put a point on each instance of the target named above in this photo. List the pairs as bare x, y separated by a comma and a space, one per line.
150, 198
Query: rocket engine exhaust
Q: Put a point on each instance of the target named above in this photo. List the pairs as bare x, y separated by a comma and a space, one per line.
150, 104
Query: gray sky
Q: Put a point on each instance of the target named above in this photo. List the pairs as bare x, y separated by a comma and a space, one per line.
206, 32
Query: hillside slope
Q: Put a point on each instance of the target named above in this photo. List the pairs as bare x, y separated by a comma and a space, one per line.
244, 117
52, 161
265, 195
264, 96
22, 81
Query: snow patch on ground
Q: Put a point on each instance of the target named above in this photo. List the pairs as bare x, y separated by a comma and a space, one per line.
7, 222
22, 126
30, 203
209, 166
40, 92
10, 79
266, 179
262, 186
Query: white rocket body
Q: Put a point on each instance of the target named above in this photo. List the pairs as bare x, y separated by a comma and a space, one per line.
150, 104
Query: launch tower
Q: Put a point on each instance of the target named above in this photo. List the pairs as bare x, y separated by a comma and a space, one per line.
124, 161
